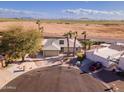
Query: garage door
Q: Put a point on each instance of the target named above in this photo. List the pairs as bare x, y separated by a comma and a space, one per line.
48, 53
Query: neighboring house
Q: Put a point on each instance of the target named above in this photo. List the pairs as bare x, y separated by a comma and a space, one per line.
107, 55
53, 47
121, 62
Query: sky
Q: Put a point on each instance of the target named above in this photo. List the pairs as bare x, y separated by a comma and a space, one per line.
106, 10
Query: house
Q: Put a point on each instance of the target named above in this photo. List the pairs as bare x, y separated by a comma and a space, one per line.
121, 62
107, 55
53, 47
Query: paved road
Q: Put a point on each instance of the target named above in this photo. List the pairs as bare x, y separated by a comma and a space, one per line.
110, 78
54, 79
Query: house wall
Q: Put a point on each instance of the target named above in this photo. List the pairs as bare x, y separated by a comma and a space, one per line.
71, 49
0, 65
121, 63
66, 49
48, 53
90, 55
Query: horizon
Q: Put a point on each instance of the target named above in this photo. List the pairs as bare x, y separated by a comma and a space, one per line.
76, 10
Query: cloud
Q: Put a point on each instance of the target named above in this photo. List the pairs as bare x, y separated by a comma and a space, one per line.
19, 13
91, 11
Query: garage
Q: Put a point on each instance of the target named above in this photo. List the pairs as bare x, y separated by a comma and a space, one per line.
48, 53
51, 50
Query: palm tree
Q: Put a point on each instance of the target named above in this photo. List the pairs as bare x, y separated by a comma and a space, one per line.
85, 36
84, 33
75, 38
41, 29
89, 43
38, 23
68, 35
39, 26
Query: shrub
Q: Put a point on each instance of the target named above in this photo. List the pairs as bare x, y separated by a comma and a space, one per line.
80, 56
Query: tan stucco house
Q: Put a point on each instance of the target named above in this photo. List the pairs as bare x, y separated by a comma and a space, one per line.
53, 47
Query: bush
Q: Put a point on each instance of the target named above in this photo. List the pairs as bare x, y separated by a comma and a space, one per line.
80, 56
17, 42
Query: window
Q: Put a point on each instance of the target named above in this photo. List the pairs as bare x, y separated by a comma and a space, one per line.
61, 42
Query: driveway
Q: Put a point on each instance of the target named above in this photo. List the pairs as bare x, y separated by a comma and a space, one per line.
110, 78
54, 79
106, 77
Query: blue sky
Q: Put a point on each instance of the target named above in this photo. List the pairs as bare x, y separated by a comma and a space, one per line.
63, 9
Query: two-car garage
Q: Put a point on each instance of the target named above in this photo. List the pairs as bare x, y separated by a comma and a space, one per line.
48, 53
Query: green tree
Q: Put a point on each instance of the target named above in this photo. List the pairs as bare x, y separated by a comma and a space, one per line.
16, 43
87, 44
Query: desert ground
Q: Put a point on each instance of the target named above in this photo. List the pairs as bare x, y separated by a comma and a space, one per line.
112, 31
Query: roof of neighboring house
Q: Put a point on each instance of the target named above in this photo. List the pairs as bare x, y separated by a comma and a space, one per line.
122, 57
53, 44
120, 44
50, 45
117, 47
105, 44
106, 52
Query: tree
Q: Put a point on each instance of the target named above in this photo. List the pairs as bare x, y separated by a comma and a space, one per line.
41, 29
85, 35
16, 43
75, 38
87, 44
68, 35
30, 43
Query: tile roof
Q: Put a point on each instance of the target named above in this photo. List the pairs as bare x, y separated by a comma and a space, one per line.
53, 44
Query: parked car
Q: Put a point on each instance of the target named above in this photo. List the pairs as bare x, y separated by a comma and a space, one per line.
95, 66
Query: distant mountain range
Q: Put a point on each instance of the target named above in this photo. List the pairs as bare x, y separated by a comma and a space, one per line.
85, 18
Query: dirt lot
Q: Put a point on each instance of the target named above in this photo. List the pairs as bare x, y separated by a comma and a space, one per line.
111, 31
